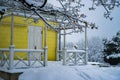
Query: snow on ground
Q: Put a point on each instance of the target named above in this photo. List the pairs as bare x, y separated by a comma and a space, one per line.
56, 71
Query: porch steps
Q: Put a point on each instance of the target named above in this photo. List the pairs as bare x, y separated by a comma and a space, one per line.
9, 76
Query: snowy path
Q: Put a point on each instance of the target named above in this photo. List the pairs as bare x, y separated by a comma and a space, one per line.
55, 71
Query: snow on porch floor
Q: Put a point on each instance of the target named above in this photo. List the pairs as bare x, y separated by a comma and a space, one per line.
56, 71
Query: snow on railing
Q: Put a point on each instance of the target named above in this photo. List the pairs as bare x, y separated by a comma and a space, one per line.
31, 58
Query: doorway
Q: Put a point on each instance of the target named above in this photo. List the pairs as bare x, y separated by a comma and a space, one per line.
35, 37
35, 40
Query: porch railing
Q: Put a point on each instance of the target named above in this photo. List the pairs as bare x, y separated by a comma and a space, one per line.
73, 57
29, 58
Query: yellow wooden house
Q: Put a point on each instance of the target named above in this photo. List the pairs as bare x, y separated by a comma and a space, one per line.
28, 34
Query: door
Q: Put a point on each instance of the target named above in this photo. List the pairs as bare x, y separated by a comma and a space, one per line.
35, 39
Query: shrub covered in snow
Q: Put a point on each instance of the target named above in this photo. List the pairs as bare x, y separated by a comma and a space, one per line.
114, 55
112, 49
114, 58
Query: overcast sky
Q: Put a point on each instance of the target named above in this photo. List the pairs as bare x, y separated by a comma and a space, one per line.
106, 28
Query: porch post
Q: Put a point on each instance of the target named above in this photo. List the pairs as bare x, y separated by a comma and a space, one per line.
59, 47
64, 49
11, 56
45, 56
64, 55
86, 46
45, 47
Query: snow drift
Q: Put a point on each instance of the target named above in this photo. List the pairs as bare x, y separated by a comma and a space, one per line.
58, 72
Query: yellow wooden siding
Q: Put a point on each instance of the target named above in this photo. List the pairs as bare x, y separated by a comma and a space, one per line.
4, 36
21, 35
51, 42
